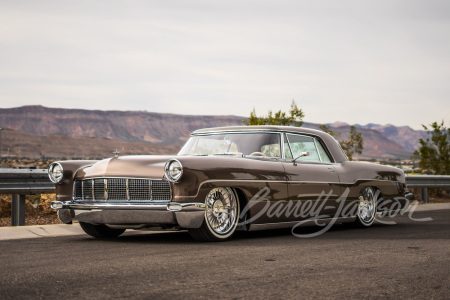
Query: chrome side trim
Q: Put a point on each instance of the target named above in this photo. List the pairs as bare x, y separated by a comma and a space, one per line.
255, 227
111, 206
194, 206
289, 181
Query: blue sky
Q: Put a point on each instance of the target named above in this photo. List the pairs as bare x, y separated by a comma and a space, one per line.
353, 61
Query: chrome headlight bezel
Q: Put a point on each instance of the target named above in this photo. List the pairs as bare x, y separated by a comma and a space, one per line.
173, 170
56, 172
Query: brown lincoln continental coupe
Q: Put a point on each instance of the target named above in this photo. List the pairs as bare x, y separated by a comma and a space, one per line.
227, 179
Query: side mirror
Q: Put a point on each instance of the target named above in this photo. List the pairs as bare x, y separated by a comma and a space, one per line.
306, 153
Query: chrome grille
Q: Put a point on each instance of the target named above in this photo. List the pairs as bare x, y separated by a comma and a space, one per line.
140, 189
160, 189
99, 189
77, 190
87, 189
122, 189
117, 188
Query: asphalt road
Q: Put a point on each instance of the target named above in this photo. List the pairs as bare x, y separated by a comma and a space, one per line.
410, 260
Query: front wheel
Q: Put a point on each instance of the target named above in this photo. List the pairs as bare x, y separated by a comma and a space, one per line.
101, 231
221, 216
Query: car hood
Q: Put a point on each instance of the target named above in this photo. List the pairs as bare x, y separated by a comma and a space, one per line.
142, 166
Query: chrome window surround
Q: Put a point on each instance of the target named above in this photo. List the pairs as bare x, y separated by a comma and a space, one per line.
315, 146
317, 150
333, 160
315, 139
119, 189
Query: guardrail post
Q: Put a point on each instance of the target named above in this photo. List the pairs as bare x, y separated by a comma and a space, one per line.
424, 195
18, 210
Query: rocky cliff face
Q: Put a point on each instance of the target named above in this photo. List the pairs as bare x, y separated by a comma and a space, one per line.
19, 144
376, 144
403, 135
127, 126
380, 141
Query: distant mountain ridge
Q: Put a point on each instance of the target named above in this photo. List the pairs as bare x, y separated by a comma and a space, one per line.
404, 135
126, 126
21, 144
380, 141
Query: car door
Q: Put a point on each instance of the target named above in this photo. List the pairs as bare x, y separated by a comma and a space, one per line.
313, 182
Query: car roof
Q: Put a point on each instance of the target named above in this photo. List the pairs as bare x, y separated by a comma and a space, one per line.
332, 145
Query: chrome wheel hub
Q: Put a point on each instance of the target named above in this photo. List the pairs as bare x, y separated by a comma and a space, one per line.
367, 206
218, 208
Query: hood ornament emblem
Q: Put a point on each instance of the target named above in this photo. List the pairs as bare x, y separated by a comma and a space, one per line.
116, 153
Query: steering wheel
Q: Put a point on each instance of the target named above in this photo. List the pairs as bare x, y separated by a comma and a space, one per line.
257, 154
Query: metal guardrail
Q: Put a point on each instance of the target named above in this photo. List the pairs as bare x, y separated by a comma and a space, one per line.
21, 182
25, 181
427, 181
430, 181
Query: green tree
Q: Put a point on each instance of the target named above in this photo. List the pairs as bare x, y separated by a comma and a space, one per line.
434, 152
355, 143
294, 118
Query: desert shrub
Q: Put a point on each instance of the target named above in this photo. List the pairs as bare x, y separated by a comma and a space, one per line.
34, 205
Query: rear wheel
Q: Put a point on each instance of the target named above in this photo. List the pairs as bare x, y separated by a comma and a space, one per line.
367, 208
221, 216
101, 231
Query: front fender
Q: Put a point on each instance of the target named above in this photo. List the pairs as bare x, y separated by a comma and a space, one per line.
64, 189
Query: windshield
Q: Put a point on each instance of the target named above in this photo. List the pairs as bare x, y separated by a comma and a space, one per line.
254, 144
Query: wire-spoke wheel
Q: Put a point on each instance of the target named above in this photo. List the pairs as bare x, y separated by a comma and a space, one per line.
221, 216
367, 207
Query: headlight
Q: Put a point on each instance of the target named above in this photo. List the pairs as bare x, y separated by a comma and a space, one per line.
173, 170
55, 172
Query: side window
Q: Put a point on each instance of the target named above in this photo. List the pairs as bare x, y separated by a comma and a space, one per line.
300, 143
323, 154
270, 145
272, 150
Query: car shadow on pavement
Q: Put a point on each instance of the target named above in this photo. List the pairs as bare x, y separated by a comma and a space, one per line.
402, 228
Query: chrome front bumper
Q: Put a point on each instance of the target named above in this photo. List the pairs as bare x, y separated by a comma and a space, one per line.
185, 215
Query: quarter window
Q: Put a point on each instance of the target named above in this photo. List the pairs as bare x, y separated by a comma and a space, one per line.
323, 154
300, 144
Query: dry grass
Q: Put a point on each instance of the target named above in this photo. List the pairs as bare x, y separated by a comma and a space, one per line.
33, 220
37, 210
